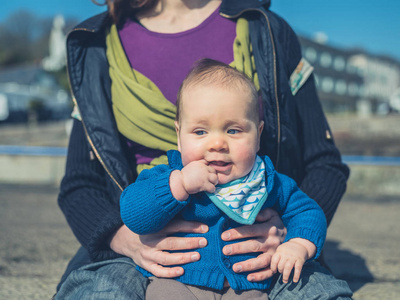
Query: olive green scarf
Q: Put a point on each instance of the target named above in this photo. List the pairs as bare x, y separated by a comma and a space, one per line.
142, 113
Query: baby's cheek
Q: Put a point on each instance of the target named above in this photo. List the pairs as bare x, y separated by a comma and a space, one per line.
247, 158
191, 154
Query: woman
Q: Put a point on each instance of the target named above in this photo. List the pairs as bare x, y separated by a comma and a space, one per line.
124, 127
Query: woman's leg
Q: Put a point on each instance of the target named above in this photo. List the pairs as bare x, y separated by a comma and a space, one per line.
242, 295
164, 288
315, 283
112, 279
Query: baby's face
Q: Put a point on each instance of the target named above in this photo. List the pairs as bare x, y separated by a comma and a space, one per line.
216, 125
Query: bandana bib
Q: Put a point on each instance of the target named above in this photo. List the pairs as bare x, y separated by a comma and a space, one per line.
242, 199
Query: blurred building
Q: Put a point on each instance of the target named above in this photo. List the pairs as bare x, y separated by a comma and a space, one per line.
28, 92
353, 80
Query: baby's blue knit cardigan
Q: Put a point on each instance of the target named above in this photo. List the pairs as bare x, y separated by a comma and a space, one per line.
148, 205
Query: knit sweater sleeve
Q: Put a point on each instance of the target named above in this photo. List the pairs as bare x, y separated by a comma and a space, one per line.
325, 173
84, 198
149, 200
301, 215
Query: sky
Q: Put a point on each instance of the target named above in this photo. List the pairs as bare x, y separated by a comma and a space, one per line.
371, 25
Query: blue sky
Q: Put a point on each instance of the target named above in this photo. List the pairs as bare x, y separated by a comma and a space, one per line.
372, 25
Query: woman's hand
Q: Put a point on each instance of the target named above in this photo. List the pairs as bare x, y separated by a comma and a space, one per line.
147, 251
264, 237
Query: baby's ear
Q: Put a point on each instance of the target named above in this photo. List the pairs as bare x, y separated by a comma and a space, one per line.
177, 135
260, 127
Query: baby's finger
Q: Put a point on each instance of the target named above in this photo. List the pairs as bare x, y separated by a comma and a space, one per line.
209, 187
203, 161
287, 269
274, 262
297, 271
281, 264
211, 170
213, 178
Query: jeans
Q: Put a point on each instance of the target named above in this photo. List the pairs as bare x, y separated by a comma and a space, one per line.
115, 279
118, 279
315, 283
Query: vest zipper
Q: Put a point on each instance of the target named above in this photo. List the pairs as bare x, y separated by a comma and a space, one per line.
275, 75
83, 123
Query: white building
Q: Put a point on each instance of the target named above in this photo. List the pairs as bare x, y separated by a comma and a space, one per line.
381, 79
352, 80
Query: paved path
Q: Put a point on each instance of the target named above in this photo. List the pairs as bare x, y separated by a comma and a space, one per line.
35, 244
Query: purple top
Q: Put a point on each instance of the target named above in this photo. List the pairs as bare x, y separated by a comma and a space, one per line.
166, 58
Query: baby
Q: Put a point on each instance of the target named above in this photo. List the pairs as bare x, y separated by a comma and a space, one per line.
217, 178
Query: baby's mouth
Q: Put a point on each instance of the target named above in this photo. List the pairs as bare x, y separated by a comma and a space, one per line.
218, 163
221, 166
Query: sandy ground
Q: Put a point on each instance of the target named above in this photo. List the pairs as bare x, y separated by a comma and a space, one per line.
36, 244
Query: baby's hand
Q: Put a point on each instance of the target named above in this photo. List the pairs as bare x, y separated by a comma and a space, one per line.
195, 177
292, 254
198, 176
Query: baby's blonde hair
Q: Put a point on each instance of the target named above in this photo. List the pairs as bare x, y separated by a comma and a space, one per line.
211, 72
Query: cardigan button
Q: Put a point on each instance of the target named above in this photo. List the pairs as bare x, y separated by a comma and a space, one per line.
226, 224
227, 263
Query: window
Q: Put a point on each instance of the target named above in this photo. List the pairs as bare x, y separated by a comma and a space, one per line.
351, 68
326, 59
310, 54
353, 89
362, 91
339, 63
341, 87
327, 84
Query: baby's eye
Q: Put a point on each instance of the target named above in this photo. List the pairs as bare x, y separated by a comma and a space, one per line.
200, 132
233, 131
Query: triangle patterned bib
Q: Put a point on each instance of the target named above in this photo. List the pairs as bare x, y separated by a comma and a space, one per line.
242, 199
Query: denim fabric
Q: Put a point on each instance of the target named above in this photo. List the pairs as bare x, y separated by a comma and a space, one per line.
118, 279
80, 259
315, 283
115, 279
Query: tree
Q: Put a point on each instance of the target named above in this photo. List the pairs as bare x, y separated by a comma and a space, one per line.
24, 38
17, 34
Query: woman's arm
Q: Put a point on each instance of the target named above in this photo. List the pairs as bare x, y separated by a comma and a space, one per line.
90, 210
325, 173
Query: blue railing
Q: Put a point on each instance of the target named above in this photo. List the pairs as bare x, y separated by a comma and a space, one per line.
32, 150
371, 160
61, 151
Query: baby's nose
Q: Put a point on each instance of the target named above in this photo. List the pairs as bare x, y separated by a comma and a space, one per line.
218, 143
